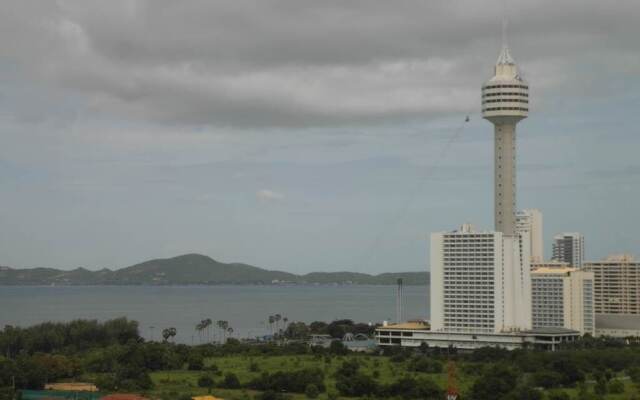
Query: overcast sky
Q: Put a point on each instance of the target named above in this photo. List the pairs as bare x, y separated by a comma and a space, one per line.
304, 135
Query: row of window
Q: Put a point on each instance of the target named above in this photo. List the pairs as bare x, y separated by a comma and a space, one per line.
506, 86
505, 109
511, 100
394, 333
505, 94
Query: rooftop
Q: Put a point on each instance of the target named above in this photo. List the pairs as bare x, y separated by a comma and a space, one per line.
408, 325
553, 270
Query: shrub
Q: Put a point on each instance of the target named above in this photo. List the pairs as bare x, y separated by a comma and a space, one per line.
616, 387
547, 379
338, 348
254, 367
356, 385
558, 395
205, 381
424, 364
411, 388
292, 381
231, 381
195, 362
311, 391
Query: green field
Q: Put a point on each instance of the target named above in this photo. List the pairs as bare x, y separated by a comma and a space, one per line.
184, 381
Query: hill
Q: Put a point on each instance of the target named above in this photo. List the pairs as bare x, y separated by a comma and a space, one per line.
196, 269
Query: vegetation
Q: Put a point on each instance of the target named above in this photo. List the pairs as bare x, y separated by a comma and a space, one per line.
115, 358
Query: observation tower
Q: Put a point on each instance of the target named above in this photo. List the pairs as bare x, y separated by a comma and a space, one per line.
505, 102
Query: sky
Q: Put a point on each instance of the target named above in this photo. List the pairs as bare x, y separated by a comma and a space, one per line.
305, 135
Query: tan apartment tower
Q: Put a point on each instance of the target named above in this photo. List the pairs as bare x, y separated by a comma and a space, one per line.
505, 102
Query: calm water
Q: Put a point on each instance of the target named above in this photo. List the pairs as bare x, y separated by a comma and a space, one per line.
245, 307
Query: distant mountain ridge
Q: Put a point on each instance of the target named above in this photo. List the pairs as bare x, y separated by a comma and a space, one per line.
196, 269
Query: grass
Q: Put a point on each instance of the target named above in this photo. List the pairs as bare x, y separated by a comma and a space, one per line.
183, 381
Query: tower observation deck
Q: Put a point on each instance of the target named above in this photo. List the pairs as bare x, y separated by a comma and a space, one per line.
505, 102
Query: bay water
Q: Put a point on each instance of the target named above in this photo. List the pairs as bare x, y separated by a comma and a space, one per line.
247, 308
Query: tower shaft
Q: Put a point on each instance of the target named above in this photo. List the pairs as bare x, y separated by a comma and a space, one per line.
505, 178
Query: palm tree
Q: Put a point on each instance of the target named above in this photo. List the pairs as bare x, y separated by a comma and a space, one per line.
272, 319
168, 333
277, 318
199, 328
207, 323
230, 331
223, 325
285, 320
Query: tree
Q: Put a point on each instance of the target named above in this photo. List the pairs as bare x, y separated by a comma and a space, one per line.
276, 319
208, 322
568, 369
195, 362
223, 326
272, 319
356, 385
547, 379
169, 333
199, 329
616, 386
558, 395
231, 381
524, 392
311, 391
600, 388
270, 395
634, 374
338, 348
494, 383
297, 330
206, 381
410, 388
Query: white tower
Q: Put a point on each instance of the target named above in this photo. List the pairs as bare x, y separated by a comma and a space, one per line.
505, 101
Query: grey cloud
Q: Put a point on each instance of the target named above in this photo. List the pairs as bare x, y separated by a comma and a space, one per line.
298, 63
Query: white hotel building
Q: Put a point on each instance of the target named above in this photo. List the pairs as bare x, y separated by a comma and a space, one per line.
480, 282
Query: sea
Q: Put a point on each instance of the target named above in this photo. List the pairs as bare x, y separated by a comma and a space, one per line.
246, 308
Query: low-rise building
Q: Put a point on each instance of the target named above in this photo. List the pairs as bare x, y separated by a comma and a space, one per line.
415, 334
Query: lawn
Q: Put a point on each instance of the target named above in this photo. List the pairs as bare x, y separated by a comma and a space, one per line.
387, 371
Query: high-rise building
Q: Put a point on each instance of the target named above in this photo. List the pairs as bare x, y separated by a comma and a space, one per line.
505, 102
531, 221
616, 295
479, 282
617, 285
569, 248
563, 298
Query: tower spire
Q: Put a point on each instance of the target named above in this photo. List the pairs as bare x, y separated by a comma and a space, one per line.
505, 55
504, 29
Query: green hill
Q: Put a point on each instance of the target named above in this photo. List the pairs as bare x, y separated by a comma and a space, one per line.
191, 269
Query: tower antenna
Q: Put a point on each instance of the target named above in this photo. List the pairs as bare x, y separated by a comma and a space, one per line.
504, 24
